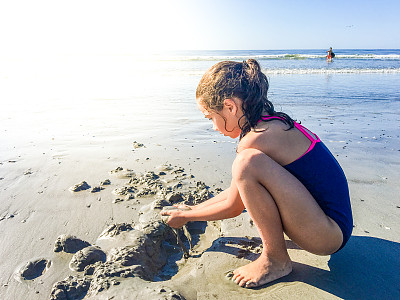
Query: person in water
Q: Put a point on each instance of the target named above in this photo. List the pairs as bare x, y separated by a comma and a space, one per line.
330, 54
283, 174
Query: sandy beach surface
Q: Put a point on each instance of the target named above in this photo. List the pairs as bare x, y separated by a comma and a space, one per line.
132, 171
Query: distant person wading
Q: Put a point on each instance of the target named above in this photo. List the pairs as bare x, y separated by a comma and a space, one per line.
330, 54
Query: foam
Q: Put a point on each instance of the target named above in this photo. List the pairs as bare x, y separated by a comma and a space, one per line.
280, 56
332, 71
287, 71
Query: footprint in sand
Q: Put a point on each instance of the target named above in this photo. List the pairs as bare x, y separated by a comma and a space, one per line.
32, 269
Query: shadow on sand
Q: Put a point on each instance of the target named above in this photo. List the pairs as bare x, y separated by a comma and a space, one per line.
366, 268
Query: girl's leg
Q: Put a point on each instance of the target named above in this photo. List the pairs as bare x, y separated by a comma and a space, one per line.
277, 202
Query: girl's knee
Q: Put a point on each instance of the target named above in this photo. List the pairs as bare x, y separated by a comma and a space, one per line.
246, 162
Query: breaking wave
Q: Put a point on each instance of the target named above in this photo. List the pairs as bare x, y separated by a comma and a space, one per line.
330, 71
282, 56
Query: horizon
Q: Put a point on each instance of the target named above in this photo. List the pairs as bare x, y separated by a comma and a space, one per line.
47, 59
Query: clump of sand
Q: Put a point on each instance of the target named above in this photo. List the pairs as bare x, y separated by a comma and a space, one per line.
146, 250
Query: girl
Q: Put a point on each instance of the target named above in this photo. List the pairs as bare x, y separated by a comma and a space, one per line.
283, 175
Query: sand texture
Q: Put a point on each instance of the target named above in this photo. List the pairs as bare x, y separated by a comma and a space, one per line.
80, 204
69, 242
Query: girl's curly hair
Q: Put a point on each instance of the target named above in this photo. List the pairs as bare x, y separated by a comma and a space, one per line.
243, 80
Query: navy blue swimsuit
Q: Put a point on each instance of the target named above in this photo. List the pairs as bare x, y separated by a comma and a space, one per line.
323, 177
321, 174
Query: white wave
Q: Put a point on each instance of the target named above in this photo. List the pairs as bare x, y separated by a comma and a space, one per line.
329, 71
370, 56
307, 71
240, 57
281, 56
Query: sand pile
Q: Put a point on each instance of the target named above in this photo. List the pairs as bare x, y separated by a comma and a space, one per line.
149, 250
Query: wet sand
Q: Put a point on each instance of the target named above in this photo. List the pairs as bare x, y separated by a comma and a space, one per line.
79, 210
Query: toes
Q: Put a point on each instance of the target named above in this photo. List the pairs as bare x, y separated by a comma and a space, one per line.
237, 279
250, 284
235, 275
240, 279
243, 282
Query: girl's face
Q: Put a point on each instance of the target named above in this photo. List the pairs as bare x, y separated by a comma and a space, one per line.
224, 121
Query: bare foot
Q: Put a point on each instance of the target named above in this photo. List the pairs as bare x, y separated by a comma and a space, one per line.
261, 271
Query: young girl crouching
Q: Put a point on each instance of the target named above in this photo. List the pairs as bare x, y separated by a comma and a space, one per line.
283, 175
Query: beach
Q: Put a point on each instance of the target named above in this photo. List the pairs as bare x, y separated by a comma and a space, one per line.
129, 127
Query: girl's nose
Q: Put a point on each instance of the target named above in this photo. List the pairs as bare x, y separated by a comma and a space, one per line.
215, 127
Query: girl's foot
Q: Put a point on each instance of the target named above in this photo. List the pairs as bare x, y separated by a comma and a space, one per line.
261, 271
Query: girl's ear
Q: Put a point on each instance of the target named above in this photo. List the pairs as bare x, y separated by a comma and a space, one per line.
231, 106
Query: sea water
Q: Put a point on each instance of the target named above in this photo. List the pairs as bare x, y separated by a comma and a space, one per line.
151, 98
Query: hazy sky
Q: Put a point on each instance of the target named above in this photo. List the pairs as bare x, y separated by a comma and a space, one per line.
95, 26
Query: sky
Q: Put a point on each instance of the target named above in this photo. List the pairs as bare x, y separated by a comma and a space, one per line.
126, 27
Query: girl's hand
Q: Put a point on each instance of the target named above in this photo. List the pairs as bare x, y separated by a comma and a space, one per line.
183, 206
176, 218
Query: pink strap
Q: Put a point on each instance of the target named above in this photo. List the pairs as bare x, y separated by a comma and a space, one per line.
302, 129
265, 118
313, 140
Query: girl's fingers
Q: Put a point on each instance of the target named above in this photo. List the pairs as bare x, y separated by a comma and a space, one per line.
182, 206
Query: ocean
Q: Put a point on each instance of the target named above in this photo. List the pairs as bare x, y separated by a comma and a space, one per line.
300, 61
81, 100
70, 118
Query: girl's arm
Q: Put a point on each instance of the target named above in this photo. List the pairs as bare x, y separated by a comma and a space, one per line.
218, 209
220, 197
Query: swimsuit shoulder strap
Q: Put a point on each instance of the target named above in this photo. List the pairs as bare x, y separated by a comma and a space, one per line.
300, 127
313, 139
267, 118
308, 134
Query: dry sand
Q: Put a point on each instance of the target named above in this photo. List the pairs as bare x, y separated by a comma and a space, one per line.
37, 207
